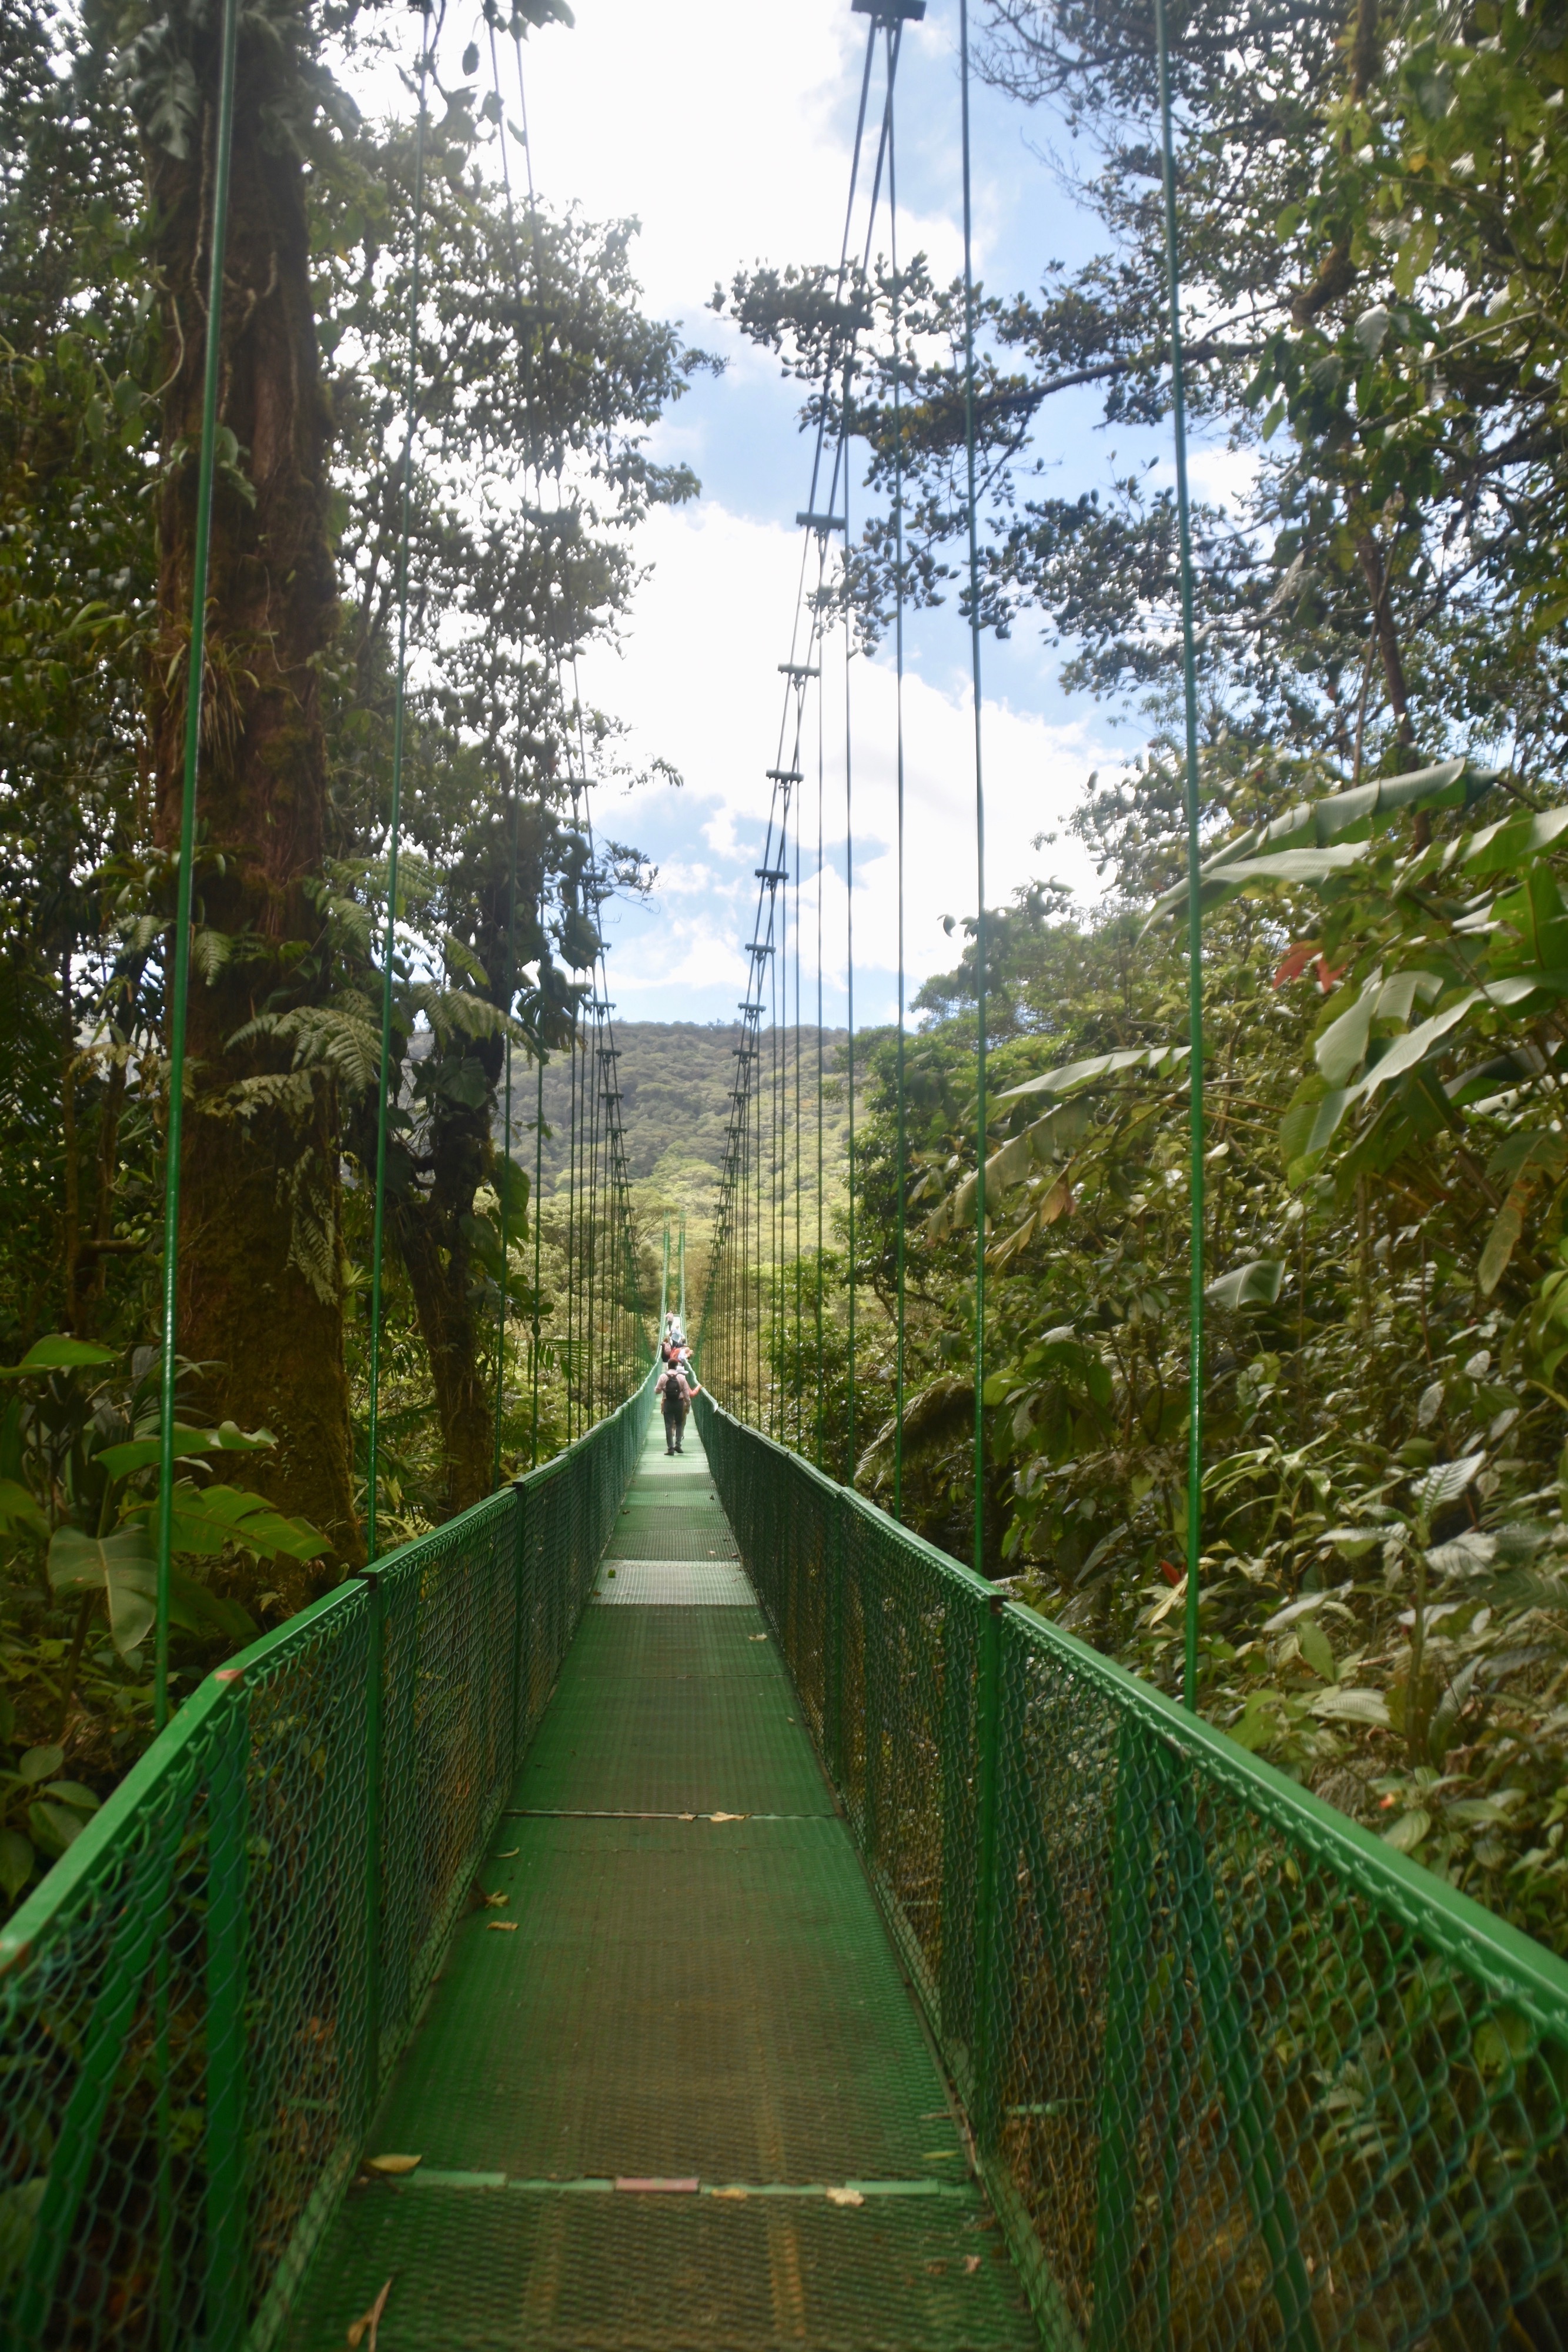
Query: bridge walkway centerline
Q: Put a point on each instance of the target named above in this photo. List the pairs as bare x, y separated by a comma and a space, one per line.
670, 2088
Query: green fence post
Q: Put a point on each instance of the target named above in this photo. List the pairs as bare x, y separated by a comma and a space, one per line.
228, 2187
963, 1643
375, 1778
988, 1741
833, 1663
519, 1591
1140, 1784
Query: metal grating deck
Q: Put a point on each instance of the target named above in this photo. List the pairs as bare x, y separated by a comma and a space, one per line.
645, 2067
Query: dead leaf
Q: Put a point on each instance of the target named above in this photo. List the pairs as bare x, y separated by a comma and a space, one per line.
395, 2165
510, 1856
757, 1637
495, 1901
737, 2195
729, 1817
502, 1927
686, 1817
370, 2320
971, 2263
845, 2197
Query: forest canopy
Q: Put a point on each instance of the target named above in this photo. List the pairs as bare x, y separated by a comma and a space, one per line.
1371, 226
536, 380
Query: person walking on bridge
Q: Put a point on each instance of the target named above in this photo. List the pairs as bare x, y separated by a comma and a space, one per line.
676, 1386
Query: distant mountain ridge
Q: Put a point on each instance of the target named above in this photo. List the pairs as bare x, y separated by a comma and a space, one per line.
676, 1079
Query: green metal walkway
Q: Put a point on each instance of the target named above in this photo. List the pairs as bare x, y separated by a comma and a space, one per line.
670, 2088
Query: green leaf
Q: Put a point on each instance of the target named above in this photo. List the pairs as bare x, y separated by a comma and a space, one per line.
40, 1764
1445, 1483
119, 1567
1502, 847
18, 1511
1367, 1706
55, 1827
1161, 1058
1317, 1650
206, 1519
16, 1869
1501, 1245
1408, 1830
140, 1452
57, 1354
1256, 1284
71, 1792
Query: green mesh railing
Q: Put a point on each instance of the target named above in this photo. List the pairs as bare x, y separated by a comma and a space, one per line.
1238, 2074
200, 2004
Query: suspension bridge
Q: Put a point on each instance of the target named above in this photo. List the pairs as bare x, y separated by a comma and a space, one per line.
672, 1905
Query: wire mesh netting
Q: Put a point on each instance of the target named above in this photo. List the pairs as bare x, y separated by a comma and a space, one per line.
199, 2004
1240, 2074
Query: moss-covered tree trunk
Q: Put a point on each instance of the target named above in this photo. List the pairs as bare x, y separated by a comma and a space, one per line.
260, 1260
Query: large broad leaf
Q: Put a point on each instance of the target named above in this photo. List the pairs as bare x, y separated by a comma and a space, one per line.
1502, 847
119, 1567
140, 1452
1453, 783
208, 1517
511, 1184
1038, 1146
57, 1354
1256, 1284
1445, 1483
1162, 1058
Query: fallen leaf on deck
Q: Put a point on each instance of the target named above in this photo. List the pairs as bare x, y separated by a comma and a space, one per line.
370, 2320
757, 1637
739, 2195
726, 1817
686, 1817
394, 2164
502, 1927
510, 1856
971, 2263
495, 1901
845, 2197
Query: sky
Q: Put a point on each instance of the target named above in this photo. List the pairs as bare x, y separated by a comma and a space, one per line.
727, 132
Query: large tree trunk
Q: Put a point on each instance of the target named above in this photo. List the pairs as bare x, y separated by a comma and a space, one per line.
430, 1231
260, 1260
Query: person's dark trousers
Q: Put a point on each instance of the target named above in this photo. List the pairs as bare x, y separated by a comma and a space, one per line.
674, 1424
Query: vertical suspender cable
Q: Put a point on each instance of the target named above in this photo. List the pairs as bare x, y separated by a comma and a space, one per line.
799, 1112
1194, 906
900, 1184
507, 1132
822, 756
981, 943
180, 986
539, 1246
389, 940
849, 958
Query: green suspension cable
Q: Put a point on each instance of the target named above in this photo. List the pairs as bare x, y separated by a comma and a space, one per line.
389, 943
981, 943
185, 887
821, 765
798, 1352
538, 1245
506, 1135
850, 958
901, 1148
1194, 905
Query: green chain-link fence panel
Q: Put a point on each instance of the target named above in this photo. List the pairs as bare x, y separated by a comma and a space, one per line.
1240, 2074
199, 2004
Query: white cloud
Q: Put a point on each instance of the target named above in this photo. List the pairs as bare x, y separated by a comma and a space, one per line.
699, 670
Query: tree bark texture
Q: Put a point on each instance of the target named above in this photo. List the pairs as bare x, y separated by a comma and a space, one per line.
260, 1288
